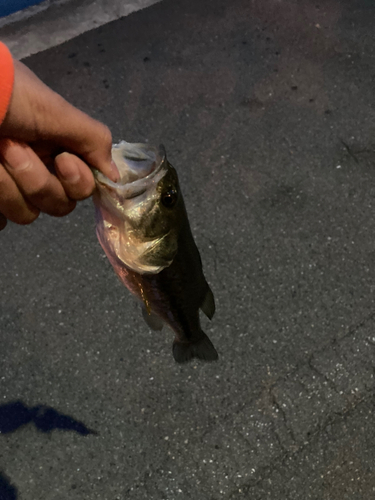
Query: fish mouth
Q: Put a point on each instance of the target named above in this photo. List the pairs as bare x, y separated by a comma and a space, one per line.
138, 164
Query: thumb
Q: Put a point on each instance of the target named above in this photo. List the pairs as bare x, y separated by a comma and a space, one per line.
87, 138
38, 113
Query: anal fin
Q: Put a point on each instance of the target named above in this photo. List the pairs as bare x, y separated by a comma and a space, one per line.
208, 305
153, 321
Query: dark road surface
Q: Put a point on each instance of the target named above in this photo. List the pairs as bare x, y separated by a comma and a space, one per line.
267, 111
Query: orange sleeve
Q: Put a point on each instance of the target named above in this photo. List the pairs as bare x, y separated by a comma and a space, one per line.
6, 79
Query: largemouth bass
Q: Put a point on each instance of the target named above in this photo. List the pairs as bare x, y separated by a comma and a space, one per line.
142, 226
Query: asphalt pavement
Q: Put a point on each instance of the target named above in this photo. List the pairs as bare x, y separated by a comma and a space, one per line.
267, 111
53, 22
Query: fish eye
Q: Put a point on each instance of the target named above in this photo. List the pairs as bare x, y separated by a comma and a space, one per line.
169, 198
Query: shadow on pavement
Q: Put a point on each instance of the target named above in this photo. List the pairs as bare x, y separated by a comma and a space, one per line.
16, 414
7, 491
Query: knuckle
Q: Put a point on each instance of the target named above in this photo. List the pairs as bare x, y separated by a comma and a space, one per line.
28, 217
39, 189
64, 209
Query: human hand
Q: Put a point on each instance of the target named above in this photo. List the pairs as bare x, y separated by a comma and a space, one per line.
46, 148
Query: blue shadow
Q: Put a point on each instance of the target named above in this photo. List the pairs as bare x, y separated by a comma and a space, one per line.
16, 414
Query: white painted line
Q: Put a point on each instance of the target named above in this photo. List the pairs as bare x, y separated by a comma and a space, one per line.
56, 21
28, 12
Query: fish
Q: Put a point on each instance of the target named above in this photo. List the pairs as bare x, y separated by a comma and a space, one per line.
143, 228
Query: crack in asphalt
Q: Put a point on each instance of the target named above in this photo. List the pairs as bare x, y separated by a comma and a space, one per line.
340, 407
266, 471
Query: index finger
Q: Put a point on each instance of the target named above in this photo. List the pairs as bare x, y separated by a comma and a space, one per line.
37, 113
87, 138
83, 136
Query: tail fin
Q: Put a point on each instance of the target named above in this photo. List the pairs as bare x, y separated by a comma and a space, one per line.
201, 348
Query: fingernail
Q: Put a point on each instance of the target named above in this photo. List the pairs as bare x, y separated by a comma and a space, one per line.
115, 173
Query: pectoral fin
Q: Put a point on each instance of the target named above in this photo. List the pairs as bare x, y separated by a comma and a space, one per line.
153, 321
208, 305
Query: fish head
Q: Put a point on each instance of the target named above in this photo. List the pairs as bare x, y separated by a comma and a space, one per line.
139, 217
